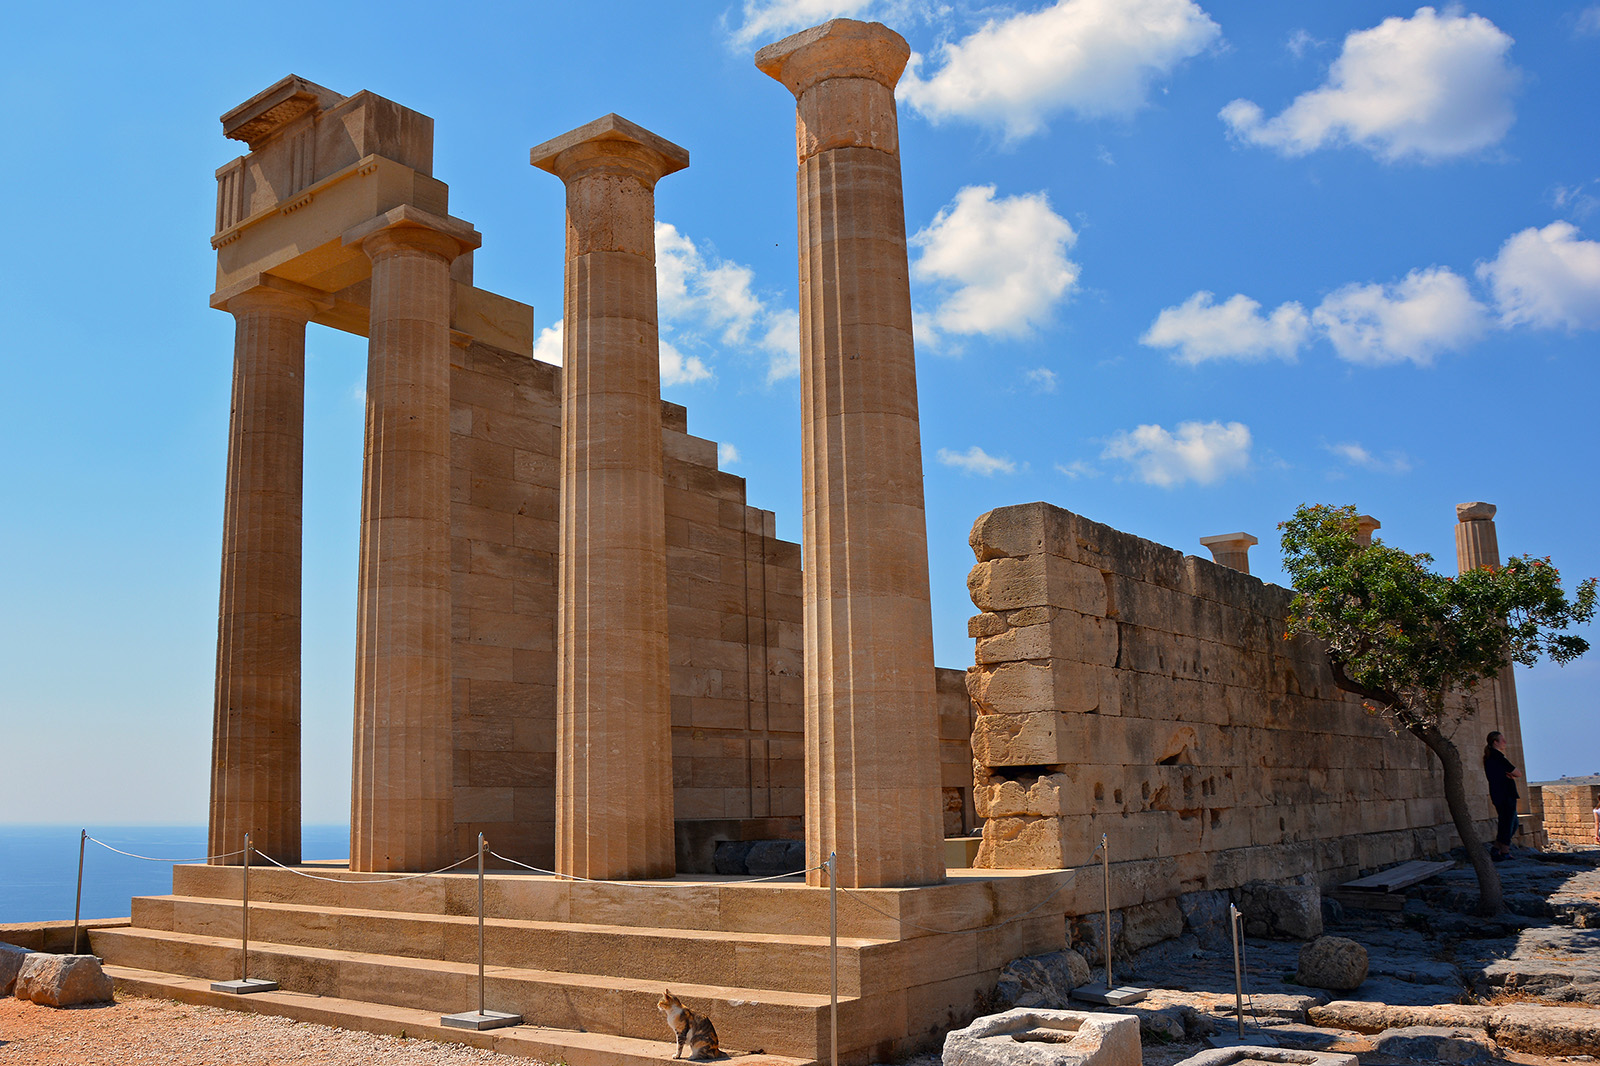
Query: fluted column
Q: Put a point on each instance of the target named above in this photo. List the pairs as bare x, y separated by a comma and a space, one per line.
872, 761
255, 745
1478, 546
1231, 550
613, 697
401, 811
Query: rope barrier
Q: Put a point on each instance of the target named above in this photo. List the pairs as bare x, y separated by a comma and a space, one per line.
1071, 876
175, 862
596, 881
366, 880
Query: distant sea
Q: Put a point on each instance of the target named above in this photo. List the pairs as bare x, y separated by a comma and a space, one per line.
39, 865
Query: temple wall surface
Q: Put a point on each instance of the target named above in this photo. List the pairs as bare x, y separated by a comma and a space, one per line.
733, 606
1124, 688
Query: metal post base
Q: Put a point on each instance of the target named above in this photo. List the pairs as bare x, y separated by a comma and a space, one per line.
1120, 996
244, 988
472, 1019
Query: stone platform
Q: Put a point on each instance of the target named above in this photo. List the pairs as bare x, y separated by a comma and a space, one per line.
584, 963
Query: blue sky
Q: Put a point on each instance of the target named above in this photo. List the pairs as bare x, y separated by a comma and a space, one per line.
1177, 266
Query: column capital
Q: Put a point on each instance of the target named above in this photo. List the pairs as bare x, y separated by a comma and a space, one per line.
609, 144
1476, 511
1366, 525
1231, 550
839, 48
409, 228
264, 292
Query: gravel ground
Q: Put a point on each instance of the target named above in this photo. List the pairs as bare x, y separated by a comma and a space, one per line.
156, 1031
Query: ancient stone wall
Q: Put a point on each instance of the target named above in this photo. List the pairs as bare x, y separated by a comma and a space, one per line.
1125, 689
734, 615
1567, 810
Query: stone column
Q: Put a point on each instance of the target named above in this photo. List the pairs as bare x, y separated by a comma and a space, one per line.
1231, 550
255, 745
613, 696
400, 808
872, 726
1366, 526
1478, 546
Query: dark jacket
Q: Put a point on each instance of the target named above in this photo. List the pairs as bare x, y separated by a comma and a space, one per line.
1502, 786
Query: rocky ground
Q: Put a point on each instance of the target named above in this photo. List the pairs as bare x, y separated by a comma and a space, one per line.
1523, 988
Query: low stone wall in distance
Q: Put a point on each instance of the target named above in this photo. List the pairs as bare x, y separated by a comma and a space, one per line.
1568, 810
1123, 688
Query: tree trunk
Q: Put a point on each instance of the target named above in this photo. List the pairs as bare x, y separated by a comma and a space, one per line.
1490, 898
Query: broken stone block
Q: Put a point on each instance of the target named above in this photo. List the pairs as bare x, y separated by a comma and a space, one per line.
1437, 1044
11, 959
1332, 962
1147, 924
1254, 1055
63, 980
1041, 980
1027, 1037
1282, 912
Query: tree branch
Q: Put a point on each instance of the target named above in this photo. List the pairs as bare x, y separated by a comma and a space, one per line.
1349, 684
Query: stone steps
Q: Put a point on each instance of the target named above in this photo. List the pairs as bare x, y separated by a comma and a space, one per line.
789, 1022
797, 963
526, 1041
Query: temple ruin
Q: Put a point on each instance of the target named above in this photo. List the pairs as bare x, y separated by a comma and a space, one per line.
576, 638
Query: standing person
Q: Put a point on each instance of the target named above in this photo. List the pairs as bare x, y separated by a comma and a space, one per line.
1502, 792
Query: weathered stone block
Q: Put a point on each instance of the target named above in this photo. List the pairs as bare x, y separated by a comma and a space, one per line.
1020, 687
1037, 581
1146, 924
63, 980
1437, 1044
11, 959
1000, 797
1332, 962
1030, 1037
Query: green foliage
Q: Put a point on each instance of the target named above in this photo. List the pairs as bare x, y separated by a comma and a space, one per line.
1401, 635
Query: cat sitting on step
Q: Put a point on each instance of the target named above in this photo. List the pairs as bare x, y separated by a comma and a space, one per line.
694, 1030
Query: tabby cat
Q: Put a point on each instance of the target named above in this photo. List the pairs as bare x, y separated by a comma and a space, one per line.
690, 1028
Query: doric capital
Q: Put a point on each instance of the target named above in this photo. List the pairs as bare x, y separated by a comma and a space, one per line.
1231, 550
1476, 511
839, 48
265, 292
406, 228
1366, 525
609, 144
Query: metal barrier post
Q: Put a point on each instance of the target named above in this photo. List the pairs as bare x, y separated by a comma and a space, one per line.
480, 1019
77, 904
1238, 977
833, 958
245, 984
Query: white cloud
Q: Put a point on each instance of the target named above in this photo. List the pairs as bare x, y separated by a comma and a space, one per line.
704, 298
1548, 278
1356, 455
548, 347
727, 455
1202, 452
977, 461
1576, 200
1588, 24
1425, 313
1001, 263
1428, 87
1299, 41
1042, 379
765, 21
678, 369
1092, 57
1236, 329
1077, 469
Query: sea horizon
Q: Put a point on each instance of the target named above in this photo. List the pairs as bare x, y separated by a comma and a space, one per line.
39, 865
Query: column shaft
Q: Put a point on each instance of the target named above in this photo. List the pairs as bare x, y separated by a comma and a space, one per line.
401, 810
255, 761
872, 762
614, 806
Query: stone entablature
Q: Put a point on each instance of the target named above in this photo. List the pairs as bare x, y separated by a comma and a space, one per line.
1126, 689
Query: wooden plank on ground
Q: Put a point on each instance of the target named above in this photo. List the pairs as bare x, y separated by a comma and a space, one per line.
1397, 877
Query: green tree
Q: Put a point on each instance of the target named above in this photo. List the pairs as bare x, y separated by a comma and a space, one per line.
1402, 637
